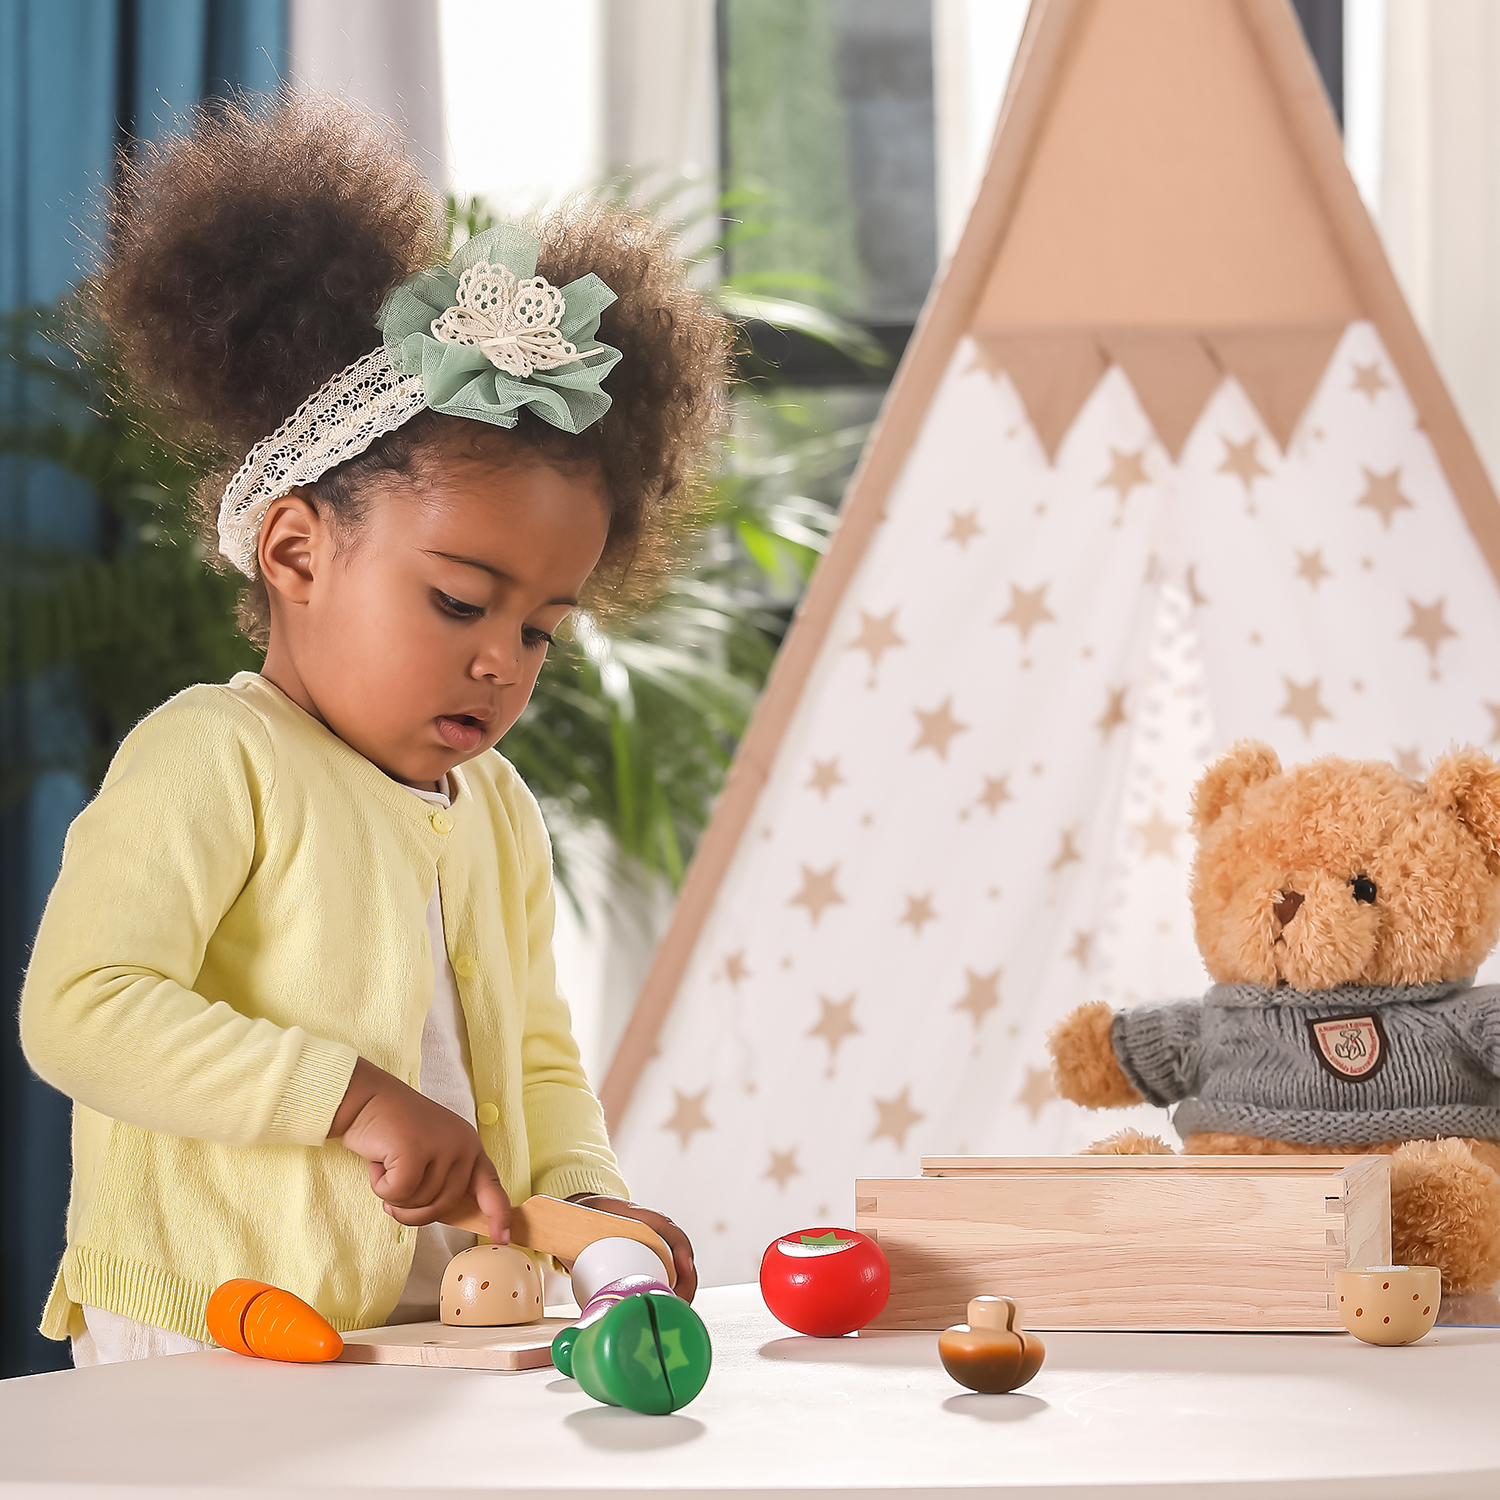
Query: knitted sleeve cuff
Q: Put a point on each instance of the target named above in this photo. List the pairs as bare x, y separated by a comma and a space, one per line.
568, 1182
312, 1094
1156, 1047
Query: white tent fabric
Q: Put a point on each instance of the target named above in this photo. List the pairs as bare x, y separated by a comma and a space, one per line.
978, 816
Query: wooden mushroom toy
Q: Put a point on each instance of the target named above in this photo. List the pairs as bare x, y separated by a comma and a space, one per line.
491, 1286
991, 1353
1389, 1304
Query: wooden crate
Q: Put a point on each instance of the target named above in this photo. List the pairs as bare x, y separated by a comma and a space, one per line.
1144, 1242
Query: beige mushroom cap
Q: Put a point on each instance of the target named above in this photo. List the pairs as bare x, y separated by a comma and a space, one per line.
491, 1286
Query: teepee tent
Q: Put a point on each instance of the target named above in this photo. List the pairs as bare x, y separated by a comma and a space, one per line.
1167, 464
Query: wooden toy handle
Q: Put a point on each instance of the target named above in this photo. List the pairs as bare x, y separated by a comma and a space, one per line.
562, 1229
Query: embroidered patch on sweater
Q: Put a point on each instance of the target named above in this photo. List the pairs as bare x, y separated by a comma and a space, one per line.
1350, 1047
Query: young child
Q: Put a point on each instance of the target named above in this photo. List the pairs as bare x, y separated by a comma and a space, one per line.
296, 970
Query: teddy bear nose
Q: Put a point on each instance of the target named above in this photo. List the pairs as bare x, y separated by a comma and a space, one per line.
1286, 906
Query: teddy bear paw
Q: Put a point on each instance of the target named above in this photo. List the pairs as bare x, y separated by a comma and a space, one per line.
1083, 1059
1445, 1212
1129, 1142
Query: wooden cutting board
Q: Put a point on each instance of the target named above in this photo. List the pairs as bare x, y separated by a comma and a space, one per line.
526, 1346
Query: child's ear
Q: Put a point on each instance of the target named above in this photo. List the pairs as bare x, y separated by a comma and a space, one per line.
1245, 764
1466, 783
290, 535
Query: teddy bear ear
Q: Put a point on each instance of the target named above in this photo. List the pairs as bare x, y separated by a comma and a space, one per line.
1466, 783
1245, 764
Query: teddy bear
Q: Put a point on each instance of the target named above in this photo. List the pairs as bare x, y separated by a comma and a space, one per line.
1342, 909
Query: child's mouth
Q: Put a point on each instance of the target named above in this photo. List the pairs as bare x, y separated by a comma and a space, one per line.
462, 731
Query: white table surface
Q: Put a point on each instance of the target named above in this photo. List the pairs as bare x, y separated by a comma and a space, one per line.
1179, 1415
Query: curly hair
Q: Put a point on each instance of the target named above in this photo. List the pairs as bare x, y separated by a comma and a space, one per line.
245, 265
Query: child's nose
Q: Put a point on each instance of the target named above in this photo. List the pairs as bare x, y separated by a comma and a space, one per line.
499, 660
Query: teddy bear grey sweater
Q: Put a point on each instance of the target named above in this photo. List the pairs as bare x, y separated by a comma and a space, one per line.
1346, 1066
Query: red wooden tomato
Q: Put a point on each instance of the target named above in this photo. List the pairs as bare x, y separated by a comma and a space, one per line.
825, 1282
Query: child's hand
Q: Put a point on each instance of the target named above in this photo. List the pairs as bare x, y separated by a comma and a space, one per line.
424, 1160
679, 1244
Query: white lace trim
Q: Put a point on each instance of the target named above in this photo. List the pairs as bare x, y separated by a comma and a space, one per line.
514, 324
341, 418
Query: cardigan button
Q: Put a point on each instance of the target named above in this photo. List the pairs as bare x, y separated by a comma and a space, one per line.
440, 821
487, 1113
466, 966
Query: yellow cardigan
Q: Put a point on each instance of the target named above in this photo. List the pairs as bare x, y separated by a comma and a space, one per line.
241, 912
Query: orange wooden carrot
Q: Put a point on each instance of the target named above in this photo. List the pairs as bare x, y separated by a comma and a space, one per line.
226, 1312
253, 1317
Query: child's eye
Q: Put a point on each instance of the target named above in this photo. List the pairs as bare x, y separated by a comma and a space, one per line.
535, 638
456, 607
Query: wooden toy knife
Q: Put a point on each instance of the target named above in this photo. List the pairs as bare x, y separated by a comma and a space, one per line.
558, 1228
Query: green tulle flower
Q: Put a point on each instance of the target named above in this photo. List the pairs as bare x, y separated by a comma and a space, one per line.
506, 323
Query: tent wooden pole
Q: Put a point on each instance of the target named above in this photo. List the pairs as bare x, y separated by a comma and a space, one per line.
945, 319
1274, 27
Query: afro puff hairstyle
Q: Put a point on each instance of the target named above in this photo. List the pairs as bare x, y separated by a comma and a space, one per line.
245, 265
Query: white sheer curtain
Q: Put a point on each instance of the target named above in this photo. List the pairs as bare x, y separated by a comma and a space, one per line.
1439, 193
383, 54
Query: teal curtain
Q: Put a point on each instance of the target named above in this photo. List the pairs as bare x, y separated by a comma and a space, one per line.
79, 79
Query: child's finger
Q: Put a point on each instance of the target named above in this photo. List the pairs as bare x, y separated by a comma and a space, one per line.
451, 1195
677, 1242
492, 1201
682, 1252
431, 1205
411, 1182
413, 1218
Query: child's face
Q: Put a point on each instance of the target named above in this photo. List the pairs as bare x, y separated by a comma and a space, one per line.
419, 642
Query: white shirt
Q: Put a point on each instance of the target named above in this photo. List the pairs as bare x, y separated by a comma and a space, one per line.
447, 1078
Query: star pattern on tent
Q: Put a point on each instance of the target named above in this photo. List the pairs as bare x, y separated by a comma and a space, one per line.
877, 636
1429, 627
1157, 835
918, 913
1083, 942
1367, 378
1409, 763
964, 528
938, 727
783, 1167
896, 1118
1241, 460
688, 1117
818, 892
981, 997
1066, 853
986, 360
835, 1024
1037, 1092
1028, 609
1126, 471
1114, 712
1310, 566
1383, 494
1304, 703
995, 794
734, 967
825, 777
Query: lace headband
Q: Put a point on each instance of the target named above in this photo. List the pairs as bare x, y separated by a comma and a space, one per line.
480, 337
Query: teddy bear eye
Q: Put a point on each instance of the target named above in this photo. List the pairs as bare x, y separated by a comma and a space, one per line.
1364, 888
